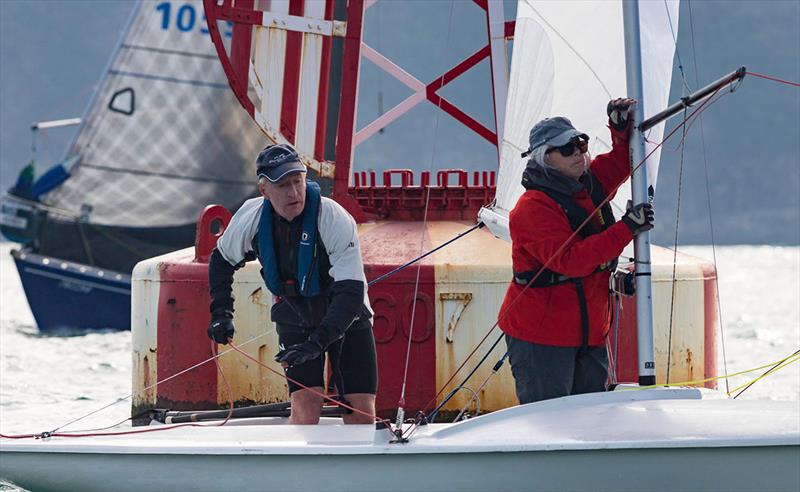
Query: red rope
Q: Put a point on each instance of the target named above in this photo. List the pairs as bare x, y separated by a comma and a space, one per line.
774, 79
43, 435
215, 357
318, 393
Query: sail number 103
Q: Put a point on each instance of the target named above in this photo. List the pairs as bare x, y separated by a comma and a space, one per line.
186, 19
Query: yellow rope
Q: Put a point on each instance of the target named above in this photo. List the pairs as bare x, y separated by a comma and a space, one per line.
771, 371
781, 364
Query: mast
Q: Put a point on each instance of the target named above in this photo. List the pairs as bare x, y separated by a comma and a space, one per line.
639, 186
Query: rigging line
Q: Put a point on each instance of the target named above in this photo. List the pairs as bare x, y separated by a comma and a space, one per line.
694, 50
474, 398
610, 351
401, 401
117, 238
714, 257
787, 360
87, 249
182, 177
126, 397
677, 51
98, 429
475, 393
140, 414
44, 145
431, 417
774, 79
693, 118
617, 313
501, 315
572, 48
418, 258
139, 431
94, 105
44, 206
779, 365
675, 249
772, 370
318, 393
768, 373
710, 213
435, 411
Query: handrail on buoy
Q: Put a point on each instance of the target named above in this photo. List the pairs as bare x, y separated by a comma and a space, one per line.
205, 239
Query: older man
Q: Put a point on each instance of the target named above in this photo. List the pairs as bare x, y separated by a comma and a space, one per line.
311, 262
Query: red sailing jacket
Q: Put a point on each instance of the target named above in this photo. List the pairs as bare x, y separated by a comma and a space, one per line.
539, 227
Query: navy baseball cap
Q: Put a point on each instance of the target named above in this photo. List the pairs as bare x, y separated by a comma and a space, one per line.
553, 132
277, 161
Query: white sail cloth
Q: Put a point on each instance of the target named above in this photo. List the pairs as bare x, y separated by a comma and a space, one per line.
569, 60
164, 135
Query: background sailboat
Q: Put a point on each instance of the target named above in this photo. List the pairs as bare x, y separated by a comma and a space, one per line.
161, 138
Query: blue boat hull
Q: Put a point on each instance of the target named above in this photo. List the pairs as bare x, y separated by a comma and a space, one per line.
69, 296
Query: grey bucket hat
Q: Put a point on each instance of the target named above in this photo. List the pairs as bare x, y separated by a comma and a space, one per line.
553, 132
276, 161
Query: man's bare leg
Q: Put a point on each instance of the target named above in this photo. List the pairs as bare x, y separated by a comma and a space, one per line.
364, 402
306, 406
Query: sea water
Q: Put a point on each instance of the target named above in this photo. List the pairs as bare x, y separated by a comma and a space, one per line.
47, 380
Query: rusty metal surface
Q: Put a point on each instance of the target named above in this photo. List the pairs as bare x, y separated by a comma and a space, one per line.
479, 267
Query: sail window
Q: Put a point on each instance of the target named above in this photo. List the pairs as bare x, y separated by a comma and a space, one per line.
123, 101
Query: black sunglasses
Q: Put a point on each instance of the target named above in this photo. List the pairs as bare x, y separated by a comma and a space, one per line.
569, 148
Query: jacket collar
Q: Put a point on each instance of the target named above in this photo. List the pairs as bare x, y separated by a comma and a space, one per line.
535, 177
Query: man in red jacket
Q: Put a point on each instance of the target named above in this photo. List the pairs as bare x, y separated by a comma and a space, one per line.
556, 332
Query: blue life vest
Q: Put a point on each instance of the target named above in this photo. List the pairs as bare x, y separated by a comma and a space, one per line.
307, 268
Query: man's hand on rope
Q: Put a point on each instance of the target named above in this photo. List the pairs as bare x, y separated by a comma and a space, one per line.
299, 353
221, 328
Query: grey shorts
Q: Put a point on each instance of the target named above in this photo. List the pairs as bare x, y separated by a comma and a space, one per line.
542, 372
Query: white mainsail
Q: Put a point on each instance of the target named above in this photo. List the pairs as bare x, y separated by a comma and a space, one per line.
163, 136
571, 62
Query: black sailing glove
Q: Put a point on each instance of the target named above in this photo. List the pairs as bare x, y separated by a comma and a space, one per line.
639, 218
300, 353
347, 301
617, 111
221, 328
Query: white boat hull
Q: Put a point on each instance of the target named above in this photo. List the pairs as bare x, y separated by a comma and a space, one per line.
626, 440
691, 469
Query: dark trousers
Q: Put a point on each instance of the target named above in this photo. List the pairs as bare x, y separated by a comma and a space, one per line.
542, 372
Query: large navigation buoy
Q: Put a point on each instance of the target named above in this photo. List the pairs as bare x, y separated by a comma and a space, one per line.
458, 292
